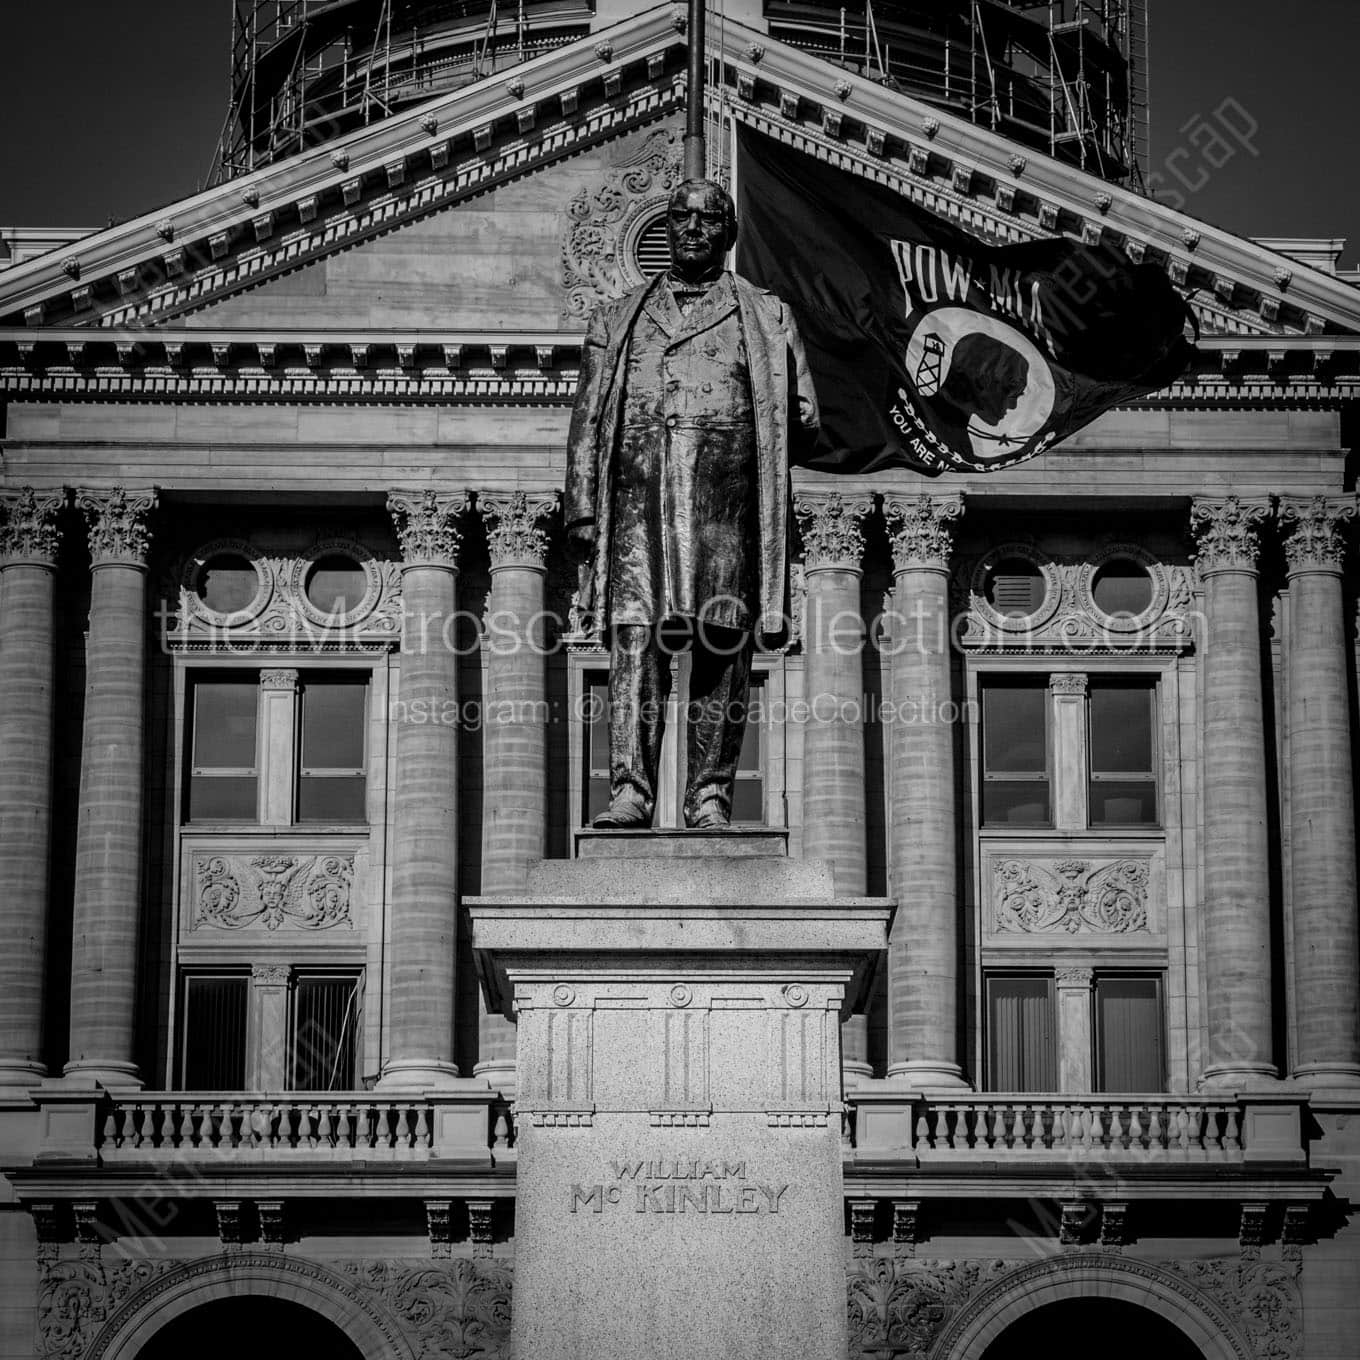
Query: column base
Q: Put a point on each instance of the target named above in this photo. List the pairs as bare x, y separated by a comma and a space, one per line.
855, 1072
419, 1074
501, 1074
18, 1077
113, 1076
925, 1074
1327, 1076
1246, 1076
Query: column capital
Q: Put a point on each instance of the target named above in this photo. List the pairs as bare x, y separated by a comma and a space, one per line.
425, 527
920, 528
286, 680
28, 527
270, 974
1226, 532
1316, 542
1080, 978
830, 523
119, 535
1068, 682
512, 526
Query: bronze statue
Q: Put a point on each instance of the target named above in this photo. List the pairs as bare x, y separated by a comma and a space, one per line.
692, 388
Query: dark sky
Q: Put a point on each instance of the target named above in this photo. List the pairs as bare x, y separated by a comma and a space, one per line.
110, 108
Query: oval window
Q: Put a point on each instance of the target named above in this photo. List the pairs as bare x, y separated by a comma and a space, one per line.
1016, 587
1122, 587
336, 584
227, 583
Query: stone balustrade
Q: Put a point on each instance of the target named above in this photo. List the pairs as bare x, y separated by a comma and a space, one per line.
226, 1129
1149, 1129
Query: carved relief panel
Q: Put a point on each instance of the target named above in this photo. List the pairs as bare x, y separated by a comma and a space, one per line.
235, 890
1104, 896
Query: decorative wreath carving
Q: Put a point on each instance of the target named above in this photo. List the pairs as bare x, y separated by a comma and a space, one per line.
604, 223
192, 573
362, 558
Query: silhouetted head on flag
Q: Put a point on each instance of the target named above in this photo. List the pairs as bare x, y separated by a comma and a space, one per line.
986, 379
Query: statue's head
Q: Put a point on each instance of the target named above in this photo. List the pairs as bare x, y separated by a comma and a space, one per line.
703, 228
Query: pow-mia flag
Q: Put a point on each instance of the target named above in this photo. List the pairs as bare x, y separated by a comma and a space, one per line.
932, 349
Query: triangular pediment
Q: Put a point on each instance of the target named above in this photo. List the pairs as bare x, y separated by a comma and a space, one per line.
192, 267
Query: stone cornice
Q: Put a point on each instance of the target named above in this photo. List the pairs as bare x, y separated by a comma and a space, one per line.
28, 527
232, 236
1315, 538
512, 526
424, 522
1226, 532
920, 530
352, 367
119, 534
830, 524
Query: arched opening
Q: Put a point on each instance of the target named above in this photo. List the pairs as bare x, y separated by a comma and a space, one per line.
226, 1328
1122, 1331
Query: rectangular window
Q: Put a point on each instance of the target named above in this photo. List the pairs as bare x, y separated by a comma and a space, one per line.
223, 760
1021, 1033
748, 790
1121, 735
1129, 1042
331, 741
213, 1029
596, 723
1015, 767
325, 1026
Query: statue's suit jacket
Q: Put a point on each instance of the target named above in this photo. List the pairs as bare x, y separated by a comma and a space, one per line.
785, 406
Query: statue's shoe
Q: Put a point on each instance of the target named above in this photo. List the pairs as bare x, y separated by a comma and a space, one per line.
710, 817
625, 810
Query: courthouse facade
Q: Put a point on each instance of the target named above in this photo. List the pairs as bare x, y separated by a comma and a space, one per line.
291, 664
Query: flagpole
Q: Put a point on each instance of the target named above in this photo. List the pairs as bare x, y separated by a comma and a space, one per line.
694, 95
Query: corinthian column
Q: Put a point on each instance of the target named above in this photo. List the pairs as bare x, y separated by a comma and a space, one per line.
28, 556
923, 853
425, 796
108, 878
515, 730
1321, 798
1236, 864
833, 740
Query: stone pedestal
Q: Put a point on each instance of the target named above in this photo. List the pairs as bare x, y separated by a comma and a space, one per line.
679, 1189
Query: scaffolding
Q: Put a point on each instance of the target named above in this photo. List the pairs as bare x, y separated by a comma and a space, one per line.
303, 71
1066, 76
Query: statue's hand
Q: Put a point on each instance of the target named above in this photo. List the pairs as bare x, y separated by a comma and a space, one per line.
581, 540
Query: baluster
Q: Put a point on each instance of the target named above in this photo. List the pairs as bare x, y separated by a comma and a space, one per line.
1058, 1137
1136, 1139
1117, 1128
1012, 1129
1159, 1132
324, 1123
986, 1126
1213, 1129
425, 1138
111, 1136
922, 1130
1187, 1121
1095, 1133
133, 1118
1232, 1130
500, 1132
